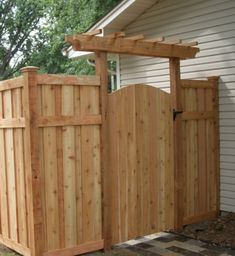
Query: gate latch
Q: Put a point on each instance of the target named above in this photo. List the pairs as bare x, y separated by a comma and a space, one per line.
175, 113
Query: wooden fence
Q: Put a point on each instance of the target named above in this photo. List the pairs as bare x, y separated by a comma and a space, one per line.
56, 197
50, 164
200, 151
142, 195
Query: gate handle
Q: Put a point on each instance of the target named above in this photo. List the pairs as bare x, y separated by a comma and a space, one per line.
175, 113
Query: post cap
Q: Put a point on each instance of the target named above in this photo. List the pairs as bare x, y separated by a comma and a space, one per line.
29, 69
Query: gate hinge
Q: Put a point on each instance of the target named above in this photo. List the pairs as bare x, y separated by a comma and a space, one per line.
175, 113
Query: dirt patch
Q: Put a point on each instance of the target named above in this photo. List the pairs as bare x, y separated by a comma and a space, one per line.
220, 231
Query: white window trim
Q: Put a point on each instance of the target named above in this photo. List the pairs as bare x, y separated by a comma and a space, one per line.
118, 75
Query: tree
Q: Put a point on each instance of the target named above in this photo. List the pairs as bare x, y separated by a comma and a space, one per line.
20, 33
69, 17
32, 32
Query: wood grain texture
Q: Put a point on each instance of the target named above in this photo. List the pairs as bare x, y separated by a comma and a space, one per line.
101, 62
11, 84
201, 157
68, 80
81, 170
15, 246
32, 162
3, 179
132, 47
77, 250
70, 122
176, 104
20, 168
54, 121
12, 123
10, 168
140, 157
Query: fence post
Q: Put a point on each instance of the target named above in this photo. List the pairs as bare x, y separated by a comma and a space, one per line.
215, 81
32, 168
102, 71
175, 87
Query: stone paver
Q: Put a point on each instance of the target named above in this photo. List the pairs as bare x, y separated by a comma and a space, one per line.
167, 244
161, 244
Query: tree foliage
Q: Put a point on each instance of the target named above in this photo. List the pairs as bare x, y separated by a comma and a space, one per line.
32, 32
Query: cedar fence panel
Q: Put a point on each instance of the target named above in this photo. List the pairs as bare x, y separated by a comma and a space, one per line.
13, 180
51, 153
69, 121
50, 191
200, 149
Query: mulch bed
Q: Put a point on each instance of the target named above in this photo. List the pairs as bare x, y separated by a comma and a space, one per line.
220, 231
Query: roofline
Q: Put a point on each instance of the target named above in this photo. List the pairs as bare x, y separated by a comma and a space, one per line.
103, 22
110, 16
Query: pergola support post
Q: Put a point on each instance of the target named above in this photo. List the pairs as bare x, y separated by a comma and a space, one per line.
102, 71
175, 87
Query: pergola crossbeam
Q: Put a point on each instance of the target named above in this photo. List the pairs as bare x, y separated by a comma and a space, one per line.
135, 45
190, 44
175, 41
156, 40
135, 38
93, 32
116, 35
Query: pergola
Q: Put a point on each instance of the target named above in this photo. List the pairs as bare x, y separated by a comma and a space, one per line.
134, 45
137, 45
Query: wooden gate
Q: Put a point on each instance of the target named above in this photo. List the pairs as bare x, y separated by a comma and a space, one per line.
143, 184
141, 176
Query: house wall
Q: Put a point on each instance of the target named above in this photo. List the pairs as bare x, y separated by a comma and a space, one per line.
212, 24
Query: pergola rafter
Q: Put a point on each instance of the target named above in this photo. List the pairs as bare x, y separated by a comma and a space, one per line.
134, 45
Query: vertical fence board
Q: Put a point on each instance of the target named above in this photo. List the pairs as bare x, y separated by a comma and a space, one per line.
210, 155
202, 159
131, 165
69, 168
10, 166
19, 167
168, 177
154, 161
60, 174
216, 143
91, 176
3, 179
50, 169
184, 153
163, 134
42, 166
123, 170
78, 149
114, 180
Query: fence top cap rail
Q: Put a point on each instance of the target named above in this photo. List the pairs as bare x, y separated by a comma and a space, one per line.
56, 79
14, 79
134, 45
11, 84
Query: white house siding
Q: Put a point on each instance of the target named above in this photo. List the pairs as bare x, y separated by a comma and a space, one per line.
212, 24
